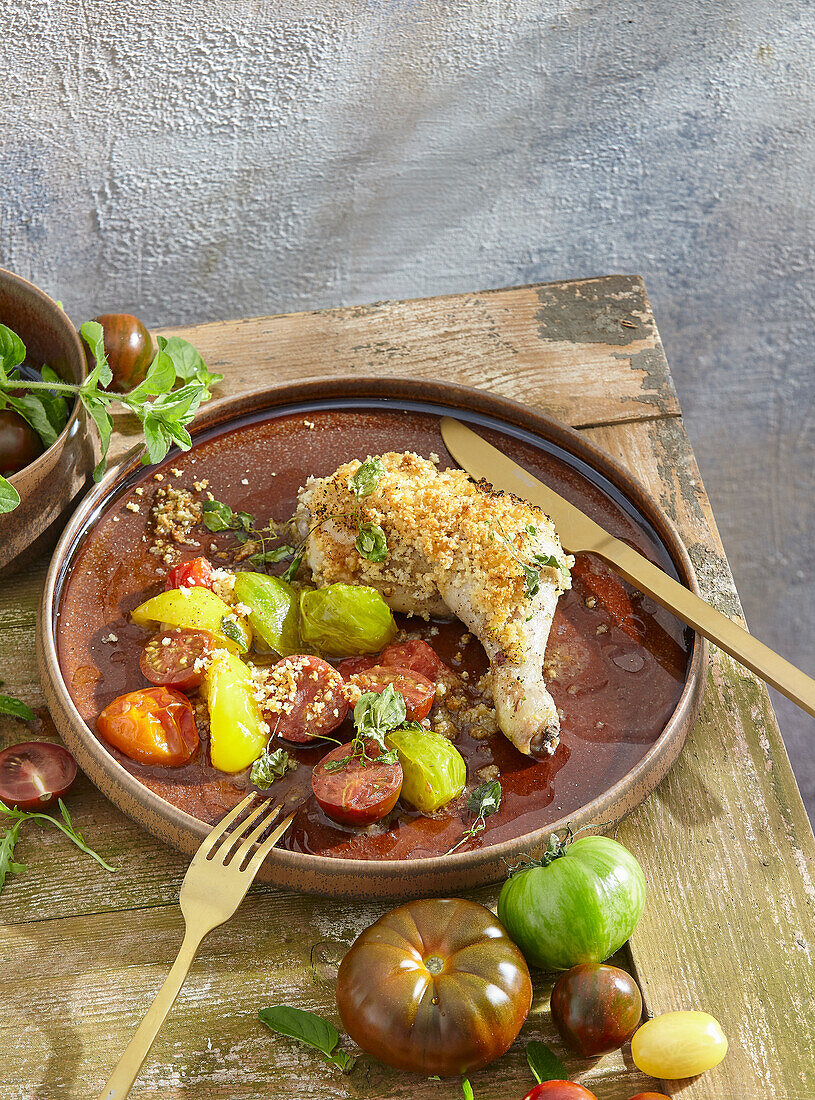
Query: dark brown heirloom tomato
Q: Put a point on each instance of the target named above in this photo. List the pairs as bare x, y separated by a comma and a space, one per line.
417, 691
128, 347
596, 1008
357, 793
34, 774
170, 657
19, 443
434, 987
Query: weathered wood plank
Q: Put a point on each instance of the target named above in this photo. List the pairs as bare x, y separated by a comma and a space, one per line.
731, 926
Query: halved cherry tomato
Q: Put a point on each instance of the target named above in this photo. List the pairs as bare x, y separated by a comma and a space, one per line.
169, 658
190, 574
559, 1090
152, 726
416, 655
610, 591
308, 698
417, 691
34, 774
356, 793
352, 665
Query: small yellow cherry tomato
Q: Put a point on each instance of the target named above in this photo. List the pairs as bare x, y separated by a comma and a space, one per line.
678, 1044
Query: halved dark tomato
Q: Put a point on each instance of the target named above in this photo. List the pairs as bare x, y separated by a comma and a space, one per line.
306, 698
175, 658
152, 726
417, 691
34, 774
352, 665
354, 792
416, 655
196, 571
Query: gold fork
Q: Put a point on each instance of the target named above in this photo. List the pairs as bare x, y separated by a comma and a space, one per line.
221, 872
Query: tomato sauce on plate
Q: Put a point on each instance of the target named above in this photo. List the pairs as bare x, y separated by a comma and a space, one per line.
615, 685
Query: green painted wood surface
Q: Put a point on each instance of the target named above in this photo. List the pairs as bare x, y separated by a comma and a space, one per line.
724, 841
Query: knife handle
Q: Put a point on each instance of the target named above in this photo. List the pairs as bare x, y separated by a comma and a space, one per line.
717, 628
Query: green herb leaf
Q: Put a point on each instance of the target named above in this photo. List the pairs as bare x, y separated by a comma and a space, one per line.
547, 561
532, 581
98, 411
266, 557
244, 520
231, 630
101, 375
7, 864
486, 799
308, 1028
217, 516
371, 542
12, 350
271, 766
296, 562
15, 708
336, 765
467, 1089
32, 407
367, 477
376, 713
65, 826
544, 1063
9, 497
160, 378
187, 361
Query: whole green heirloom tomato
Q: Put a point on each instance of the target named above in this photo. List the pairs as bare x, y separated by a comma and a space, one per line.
578, 904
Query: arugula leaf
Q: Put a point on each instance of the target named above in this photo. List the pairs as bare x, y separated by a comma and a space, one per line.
7, 864
217, 516
15, 708
271, 766
308, 1028
9, 497
367, 477
467, 1089
264, 557
65, 826
544, 1063
12, 350
371, 542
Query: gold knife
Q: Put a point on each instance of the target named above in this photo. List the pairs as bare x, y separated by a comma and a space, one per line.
579, 533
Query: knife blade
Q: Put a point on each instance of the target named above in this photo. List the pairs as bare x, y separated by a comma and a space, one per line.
578, 533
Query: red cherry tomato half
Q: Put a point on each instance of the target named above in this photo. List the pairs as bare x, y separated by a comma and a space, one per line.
596, 1008
559, 1090
170, 657
311, 703
352, 665
356, 793
34, 774
19, 443
650, 1096
417, 691
189, 574
128, 348
152, 726
416, 655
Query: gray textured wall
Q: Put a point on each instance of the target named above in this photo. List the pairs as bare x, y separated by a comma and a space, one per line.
194, 161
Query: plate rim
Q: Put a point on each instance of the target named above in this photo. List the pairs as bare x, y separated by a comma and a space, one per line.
332, 875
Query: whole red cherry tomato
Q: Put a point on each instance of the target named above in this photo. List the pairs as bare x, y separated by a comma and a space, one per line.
417, 691
596, 1008
435, 987
152, 726
559, 1090
189, 574
416, 655
356, 792
128, 347
19, 443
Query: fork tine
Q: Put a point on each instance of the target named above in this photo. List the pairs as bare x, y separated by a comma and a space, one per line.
254, 864
218, 830
268, 817
224, 850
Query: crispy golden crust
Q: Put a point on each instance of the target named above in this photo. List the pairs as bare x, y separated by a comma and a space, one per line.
442, 528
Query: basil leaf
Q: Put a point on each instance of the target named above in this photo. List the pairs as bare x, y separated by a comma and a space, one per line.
308, 1028
467, 1089
7, 864
264, 557
101, 375
486, 799
546, 561
544, 1063
159, 379
296, 562
269, 767
156, 442
15, 708
371, 542
9, 497
217, 516
245, 521
366, 478
12, 350
187, 361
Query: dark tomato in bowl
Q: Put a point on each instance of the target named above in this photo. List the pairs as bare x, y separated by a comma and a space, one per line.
19, 443
34, 774
356, 791
151, 726
416, 655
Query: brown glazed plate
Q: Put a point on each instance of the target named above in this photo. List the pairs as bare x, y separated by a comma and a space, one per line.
627, 704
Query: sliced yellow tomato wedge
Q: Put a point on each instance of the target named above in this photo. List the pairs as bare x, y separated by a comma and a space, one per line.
196, 609
237, 733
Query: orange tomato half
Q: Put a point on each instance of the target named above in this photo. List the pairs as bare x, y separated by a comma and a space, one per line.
152, 726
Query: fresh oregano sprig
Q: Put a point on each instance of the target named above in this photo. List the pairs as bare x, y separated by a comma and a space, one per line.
484, 801
164, 412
